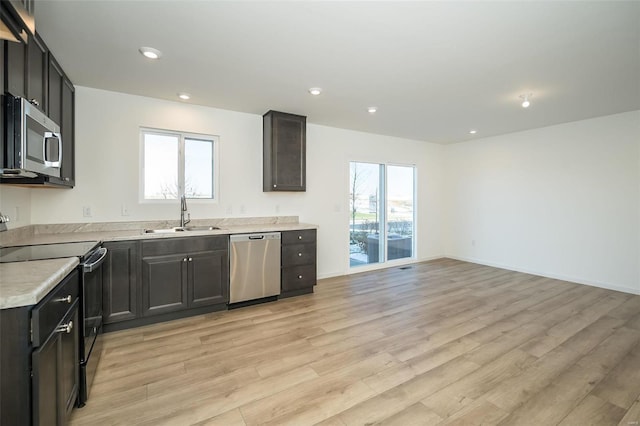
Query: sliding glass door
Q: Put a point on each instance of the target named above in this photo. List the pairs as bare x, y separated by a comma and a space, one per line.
381, 212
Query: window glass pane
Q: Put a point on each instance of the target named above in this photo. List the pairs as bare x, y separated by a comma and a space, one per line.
400, 190
198, 168
364, 189
160, 166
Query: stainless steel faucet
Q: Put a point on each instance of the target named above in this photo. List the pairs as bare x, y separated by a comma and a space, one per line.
183, 210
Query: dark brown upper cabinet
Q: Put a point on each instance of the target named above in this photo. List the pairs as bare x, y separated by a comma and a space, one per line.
26, 70
37, 72
15, 68
67, 129
284, 152
56, 77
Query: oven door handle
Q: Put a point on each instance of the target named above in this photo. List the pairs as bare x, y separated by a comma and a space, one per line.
89, 267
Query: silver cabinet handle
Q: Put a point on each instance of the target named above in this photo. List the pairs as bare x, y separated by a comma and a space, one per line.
184, 260
64, 299
275, 186
299, 237
34, 101
65, 328
299, 254
299, 277
191, 259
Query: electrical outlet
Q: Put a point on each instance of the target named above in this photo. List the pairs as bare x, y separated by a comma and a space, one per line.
124, 211
86, 211
16, 214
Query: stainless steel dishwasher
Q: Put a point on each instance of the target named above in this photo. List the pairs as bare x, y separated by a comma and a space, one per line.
255, 266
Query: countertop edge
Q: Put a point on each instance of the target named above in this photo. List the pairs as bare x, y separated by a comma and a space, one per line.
46, 281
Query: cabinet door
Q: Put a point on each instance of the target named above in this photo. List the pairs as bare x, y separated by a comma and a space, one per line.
298, 254
164, 284
2, 72
55, 374
37, 72
298, 277
284, 152
120, 282
54, 99
45, 382
69, 369
15, 56
209, 278
67, 129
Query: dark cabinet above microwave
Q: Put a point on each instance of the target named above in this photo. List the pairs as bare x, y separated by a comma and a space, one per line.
284, 152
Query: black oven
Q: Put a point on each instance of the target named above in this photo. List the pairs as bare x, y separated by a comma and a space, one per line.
91, 255
91, 314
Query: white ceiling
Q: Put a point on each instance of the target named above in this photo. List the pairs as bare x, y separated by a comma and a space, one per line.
435, 70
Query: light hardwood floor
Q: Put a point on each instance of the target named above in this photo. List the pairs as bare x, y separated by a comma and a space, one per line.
444, 342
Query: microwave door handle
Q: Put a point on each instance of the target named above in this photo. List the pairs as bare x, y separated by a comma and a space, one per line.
59, 149
48, 163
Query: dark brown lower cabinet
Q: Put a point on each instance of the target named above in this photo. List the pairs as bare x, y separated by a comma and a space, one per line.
176, 282
298, 274
154, 280
164, 284
209, 278
39, 358
55, 375
120, 281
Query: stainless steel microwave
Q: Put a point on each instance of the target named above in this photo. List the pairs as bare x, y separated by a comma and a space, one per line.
33, 141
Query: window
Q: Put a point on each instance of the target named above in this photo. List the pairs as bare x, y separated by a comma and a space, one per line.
176, 164
382, 212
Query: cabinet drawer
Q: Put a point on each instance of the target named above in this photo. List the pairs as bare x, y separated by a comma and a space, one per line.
298, 277
51, 310
167, 246
297, 237
298, 254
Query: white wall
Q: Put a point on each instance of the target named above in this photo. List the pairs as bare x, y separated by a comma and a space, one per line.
15, 202
107, 165
560, 201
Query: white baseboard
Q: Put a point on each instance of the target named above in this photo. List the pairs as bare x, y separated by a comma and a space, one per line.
599, 284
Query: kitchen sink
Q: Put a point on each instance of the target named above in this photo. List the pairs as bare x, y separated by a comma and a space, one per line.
180, 229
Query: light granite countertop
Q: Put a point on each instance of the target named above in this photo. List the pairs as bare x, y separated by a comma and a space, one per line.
26, 283
126, 231
139, 234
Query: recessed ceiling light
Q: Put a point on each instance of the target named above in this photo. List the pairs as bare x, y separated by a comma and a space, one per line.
315, 91
525, 100
372, 110
184, 96
150, 52
473, 131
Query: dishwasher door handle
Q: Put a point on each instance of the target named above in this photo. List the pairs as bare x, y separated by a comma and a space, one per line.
256, 237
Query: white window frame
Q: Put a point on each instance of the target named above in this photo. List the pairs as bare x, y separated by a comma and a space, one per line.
181, 167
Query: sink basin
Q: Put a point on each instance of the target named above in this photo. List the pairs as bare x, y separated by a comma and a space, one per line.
163, 231
180, 229
199, 228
